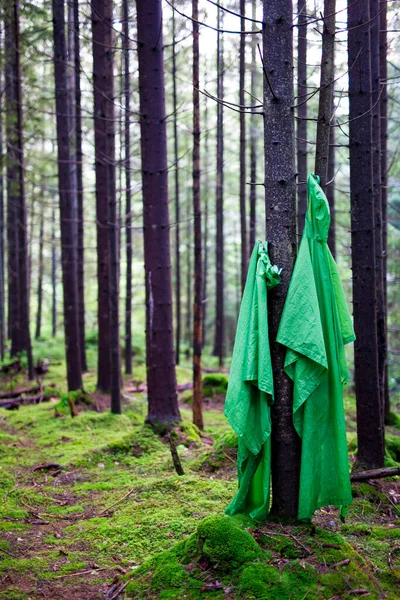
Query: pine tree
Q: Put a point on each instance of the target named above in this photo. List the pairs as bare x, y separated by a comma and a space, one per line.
65, 187
370, 430
160, 356
280, 191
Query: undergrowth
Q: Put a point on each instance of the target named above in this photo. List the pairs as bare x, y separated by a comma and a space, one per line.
111, 506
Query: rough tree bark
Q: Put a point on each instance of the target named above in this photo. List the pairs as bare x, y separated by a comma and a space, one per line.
377, 183
330, 188
53, 274
206, 230
103, 109
198, 259
127, 164
79, 187
160, 356
280, 206
242, 153
189, 273
2, 223
325, 92
301, 100
17, 222
383, 101
178, 303
219, 267
106, 199
253, 136
40, 277
65, 185
370, 431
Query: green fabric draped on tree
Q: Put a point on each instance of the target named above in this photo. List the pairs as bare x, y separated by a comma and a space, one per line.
315, 327
251, 390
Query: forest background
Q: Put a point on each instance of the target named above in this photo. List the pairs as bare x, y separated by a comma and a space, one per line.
107, 443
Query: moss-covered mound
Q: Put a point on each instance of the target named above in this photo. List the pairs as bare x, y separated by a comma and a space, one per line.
223, 559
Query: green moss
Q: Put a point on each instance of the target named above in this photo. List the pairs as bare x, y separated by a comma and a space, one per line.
216, 380
207, 391
264, 582
169, 574
225, 544
393, 446
392, 419
284, 546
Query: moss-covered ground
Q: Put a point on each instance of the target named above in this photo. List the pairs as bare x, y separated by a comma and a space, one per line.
110, 515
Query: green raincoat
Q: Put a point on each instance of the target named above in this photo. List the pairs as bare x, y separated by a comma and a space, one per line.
315, 326
250, 390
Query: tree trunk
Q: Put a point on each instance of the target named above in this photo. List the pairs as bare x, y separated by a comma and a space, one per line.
17, 226
103, 107
206, 233
253, 136
177, 203
40, 277
370, 431
53, 274
242, 154
330, 189
128, 208
376, 180
189, 274
2, 223
219, 267
301, 100
106, 199
325, 92
280, 206
65, 185
79, 188
160, 357
384, 172
198, 258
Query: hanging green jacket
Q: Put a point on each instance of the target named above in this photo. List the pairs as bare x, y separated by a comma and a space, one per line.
250, 390
315, 326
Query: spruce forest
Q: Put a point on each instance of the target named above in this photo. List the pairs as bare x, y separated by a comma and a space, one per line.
199, 299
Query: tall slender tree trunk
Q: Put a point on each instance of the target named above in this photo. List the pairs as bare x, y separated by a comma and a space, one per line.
219, 267
370, 431
65, 186
242, 154
198, 258
21, 338
103, 108
128, 208
301, 101
106, 199
178, 303
330, 189
53, 274
383, 101
79, 188
280, 207
206, 231
189, 273
377, 189
325, 92
40, 278
253, 136
160, 356
2, 222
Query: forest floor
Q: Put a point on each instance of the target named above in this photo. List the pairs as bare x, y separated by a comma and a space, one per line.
93, 523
